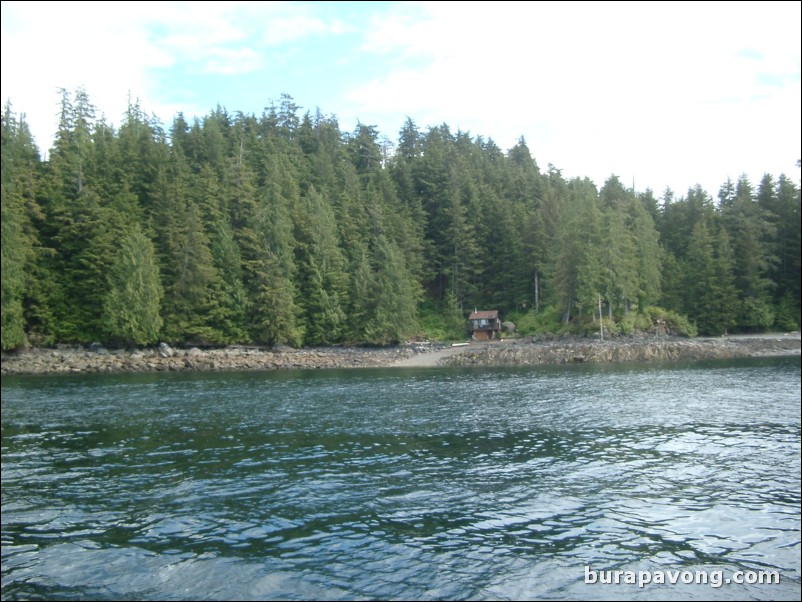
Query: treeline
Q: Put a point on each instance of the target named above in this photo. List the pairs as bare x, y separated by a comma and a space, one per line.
283, 229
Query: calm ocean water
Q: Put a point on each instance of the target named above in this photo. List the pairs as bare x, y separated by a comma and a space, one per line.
403, 484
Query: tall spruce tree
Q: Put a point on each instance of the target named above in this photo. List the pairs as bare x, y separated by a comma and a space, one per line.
19, 162
274, 311
699, 271
576, 268
618, 262
788, 271
727, 306
647, 249
322, 276
394, 296
131, 308
749, 229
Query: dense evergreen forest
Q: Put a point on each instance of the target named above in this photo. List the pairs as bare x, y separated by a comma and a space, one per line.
281, 228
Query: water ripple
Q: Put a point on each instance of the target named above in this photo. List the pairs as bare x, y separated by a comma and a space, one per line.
446, 485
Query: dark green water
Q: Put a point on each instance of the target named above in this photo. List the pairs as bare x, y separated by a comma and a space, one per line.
402, 484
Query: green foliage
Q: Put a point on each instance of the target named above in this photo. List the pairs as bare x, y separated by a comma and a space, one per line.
708, 304
322, 276
279, 228
787, 315
676, 324
530, 323
13, 280
15, 248
587, 326
756, 315
648, 253
131, 307
634, 322
752, 234
446, 322
394, 295
19, 239
577, 265
787, 271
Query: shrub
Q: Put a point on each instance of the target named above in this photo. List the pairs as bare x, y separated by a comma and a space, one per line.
439, 324
529, 323
786, 314
676, 324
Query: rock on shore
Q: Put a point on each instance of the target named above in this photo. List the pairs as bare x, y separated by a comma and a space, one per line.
97, 359
518, 352
536, 351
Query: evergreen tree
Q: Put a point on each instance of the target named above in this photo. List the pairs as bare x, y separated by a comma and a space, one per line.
361, 302
395, 296
673, 291
614, 195
433, 185
647, 249
528, 212
409, 141
576, 269
749, 228
227, 299
699, 271
507, 273
460, 247
725, 290
131, 306
652, 206
786, 270
19, 159
618, 262
15, 253
322, 276
680, 217
229, 313
276, 229
273, 309
365, 151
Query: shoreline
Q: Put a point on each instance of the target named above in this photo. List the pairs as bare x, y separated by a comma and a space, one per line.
538, 350
633, 350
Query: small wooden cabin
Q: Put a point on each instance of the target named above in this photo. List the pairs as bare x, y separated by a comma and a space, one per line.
485, 325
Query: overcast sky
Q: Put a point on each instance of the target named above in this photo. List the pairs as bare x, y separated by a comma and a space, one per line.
661, 94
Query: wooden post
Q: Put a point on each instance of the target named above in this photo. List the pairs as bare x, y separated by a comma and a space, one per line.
601, 322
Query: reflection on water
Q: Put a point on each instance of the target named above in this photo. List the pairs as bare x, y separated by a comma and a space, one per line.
405, 484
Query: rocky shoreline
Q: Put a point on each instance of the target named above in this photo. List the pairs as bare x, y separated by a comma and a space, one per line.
97, 359
535, 352
515, 352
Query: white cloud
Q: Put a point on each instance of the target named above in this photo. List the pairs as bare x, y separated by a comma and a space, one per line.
113, 48
233, 61
670, 94
109, 49
69, 45
286, 29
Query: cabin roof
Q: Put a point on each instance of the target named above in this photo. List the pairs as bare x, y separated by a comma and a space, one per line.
484, 315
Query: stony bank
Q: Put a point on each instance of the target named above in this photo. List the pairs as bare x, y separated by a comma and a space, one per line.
516, 352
